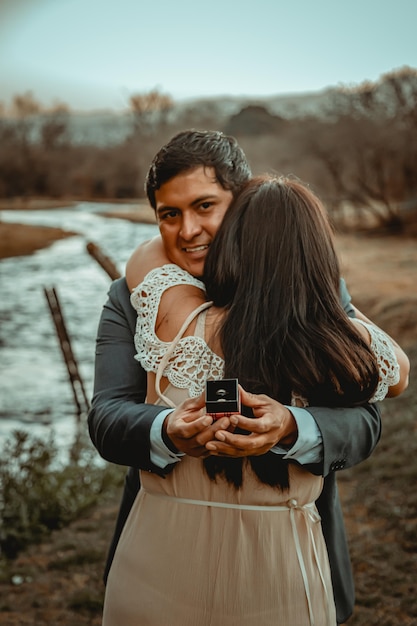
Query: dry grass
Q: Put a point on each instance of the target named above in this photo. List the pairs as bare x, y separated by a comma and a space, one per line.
380, 505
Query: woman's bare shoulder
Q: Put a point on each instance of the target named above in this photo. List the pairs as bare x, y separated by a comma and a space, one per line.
145, 258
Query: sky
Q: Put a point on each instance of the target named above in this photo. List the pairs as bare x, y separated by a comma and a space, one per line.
95, 54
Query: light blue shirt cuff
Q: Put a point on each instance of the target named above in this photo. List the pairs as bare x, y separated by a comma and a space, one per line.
309, 445
160, 455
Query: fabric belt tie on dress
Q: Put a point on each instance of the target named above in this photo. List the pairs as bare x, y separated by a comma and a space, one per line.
309, 512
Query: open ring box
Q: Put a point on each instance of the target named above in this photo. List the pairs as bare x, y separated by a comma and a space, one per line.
222, 397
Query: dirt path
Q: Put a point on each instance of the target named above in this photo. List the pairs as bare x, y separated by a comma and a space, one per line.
59, 582
381, 274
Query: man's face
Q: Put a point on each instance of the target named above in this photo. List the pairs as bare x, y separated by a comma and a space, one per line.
189, 210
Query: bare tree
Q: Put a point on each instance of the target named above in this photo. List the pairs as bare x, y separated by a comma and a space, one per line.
150, 111
55, 127
370, 146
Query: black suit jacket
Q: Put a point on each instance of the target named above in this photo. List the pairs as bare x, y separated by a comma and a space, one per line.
119, 424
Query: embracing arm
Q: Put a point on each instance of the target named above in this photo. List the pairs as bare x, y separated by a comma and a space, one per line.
119, 423
349, 436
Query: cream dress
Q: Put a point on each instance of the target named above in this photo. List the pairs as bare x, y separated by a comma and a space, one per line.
197, 552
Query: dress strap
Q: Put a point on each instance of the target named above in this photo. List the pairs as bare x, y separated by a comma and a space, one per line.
163, 362
200, 326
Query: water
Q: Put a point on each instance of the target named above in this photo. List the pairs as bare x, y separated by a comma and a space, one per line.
35, 392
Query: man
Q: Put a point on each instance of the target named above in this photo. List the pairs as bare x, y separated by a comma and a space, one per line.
190, 184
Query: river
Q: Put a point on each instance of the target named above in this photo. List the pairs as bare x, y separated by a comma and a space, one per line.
36, 394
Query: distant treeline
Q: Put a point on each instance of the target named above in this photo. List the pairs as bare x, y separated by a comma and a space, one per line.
359, 152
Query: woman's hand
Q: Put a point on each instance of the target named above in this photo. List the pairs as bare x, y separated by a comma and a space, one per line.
274, 424
189, 428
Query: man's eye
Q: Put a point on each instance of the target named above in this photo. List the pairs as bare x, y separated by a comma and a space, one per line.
168, 215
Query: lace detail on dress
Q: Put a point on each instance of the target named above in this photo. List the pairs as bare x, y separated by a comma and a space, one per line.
191, 362
389, 370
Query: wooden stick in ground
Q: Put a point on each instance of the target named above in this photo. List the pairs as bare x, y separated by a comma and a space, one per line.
103, 260
80, 396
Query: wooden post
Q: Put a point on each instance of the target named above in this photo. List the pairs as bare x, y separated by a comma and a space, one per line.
80, 396
103, 260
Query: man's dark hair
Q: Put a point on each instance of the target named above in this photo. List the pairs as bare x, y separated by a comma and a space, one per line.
190, 149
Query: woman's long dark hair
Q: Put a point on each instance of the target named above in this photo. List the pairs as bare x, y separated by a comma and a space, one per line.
274, 268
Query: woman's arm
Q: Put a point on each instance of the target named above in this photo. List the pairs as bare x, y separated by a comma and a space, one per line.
402, 359
177, 302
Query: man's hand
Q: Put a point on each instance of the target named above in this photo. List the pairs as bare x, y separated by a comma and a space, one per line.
189, 428
274, 424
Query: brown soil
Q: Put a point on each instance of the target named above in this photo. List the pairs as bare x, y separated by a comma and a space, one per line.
59, 582
381, 273
141, 213
21, 239
33, 204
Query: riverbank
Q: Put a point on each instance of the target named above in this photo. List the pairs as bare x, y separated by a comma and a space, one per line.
140, 214
22, 239
34, 204
134, 210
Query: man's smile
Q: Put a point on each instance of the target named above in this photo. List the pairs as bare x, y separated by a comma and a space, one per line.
196, 248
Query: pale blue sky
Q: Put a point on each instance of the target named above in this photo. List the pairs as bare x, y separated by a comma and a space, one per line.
93, 53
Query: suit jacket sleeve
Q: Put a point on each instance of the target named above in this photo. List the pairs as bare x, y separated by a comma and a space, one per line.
119, 422
349, 434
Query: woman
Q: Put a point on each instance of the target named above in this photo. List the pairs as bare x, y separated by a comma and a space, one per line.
239, 541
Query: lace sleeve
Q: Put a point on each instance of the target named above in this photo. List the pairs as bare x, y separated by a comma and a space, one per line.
145, 299
187, 362
389, 370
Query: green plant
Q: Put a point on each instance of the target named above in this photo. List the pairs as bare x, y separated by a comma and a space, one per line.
40, 493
